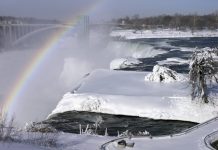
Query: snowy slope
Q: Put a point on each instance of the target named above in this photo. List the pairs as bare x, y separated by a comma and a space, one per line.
17, 146
82, 142
162, 33
126, 93
65, 141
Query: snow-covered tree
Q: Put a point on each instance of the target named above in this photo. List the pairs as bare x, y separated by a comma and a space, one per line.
202, 71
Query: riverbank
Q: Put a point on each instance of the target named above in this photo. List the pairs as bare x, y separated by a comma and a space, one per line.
162, 33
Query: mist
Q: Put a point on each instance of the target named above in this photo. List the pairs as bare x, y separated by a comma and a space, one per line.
64, 67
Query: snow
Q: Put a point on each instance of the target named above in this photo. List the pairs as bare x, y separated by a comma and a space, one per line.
204, 54
66, 141
173, 60
126, 93
187, 49
194, 139
17, 146
164, 75
122, 63
82, 142
162, 33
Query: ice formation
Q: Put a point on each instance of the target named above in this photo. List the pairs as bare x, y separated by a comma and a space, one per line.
164, 74
126, 93
122, 63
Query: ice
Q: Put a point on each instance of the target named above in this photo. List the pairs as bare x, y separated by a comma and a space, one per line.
173, 60
126, 93
164, 75
122, 63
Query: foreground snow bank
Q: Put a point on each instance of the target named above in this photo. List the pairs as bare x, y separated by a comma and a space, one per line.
198, 137
18, 146
122, 63
81, 142
126, 93
65, 141
164, 74
162, 33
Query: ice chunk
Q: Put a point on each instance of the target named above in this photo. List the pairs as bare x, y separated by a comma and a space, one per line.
173, 60
121, 63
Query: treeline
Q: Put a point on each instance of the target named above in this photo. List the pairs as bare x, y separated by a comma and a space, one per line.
178, 21
25, 20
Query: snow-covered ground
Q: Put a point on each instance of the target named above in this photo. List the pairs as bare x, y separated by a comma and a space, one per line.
127, 93
18, 146
82, 142
65, 141
191, 139
162, 33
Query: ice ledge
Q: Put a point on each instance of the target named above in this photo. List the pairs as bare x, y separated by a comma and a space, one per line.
166, 108
126, 93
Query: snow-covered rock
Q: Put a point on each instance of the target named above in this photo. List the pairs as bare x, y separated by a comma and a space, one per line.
164, 74
122, 63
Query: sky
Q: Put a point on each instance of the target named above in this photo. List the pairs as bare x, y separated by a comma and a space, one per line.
103, 9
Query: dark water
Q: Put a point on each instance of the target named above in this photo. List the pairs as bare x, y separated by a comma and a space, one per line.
70, 121
215, 145
174, 49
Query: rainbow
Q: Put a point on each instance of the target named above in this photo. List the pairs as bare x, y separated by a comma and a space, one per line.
23, 80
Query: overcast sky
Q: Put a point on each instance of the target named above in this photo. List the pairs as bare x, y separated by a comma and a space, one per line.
103, 9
